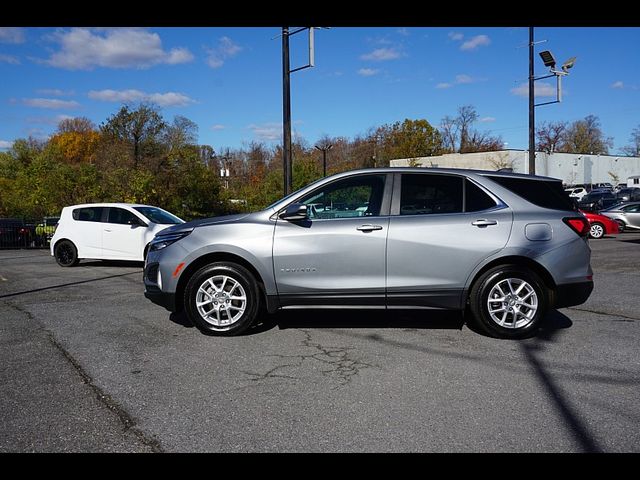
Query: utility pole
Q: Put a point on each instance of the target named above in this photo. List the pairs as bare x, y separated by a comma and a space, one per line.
532, 118
286, 101
286, 113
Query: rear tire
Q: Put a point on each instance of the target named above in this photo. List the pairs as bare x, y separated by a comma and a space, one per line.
596, 230
66, 253
509, 301
222, 298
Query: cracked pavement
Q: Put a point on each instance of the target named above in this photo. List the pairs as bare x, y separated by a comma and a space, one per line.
88, 364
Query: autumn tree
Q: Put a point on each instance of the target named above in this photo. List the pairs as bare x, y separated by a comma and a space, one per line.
586, 136
139, 128
550, 136
407, 139
459, 134
633, 149
77, 140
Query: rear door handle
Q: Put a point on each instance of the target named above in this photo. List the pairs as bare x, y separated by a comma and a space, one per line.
107, 230
484, 223
369, 228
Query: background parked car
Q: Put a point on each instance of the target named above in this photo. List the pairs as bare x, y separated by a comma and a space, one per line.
44, 231
597, 200
627, 215
15, 233
600, 225
576, 192
628, 194
107, 231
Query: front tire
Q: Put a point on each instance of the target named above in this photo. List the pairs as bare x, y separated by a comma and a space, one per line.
222, 299
597, 230
621, 226
66, 253
509, 301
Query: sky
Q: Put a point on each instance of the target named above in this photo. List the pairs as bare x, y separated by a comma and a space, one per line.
229, 80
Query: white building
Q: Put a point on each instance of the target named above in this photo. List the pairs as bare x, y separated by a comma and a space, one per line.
571, 168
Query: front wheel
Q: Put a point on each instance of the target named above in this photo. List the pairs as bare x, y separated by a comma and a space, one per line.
509, 301
596, 230
66, 253
621, 225
222, 299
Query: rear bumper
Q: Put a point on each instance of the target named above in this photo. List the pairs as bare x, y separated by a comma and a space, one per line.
164, 299
571, 294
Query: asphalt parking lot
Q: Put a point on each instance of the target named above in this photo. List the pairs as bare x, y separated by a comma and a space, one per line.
88, 364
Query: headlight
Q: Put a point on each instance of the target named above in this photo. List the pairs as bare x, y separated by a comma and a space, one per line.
163, 241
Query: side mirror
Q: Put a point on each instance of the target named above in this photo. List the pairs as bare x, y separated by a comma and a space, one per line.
136, 222
295, 211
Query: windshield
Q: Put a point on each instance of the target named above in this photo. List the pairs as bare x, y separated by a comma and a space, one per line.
157, 215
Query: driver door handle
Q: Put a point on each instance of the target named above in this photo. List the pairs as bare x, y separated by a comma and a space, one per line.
484, 223
369, 227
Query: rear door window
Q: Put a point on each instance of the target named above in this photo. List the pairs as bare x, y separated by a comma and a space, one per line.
88, 214
424, 194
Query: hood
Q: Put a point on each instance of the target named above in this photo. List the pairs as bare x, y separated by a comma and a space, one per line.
205, 222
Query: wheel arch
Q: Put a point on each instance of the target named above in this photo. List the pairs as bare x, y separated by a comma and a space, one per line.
520, 261
212, 257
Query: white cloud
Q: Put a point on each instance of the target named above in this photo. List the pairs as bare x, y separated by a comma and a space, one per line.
267, 131
5, 144
403, 31
225, 50
85, 49
48, 120
169, 99
51, 103
487, 119
463, 79
382, 54
457, 36
618, 85
56, 92
444, 85
542, 89
218, 127
475, 42
11, 35
9, 59
368, 72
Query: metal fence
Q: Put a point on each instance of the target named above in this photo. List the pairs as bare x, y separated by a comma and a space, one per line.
26, 233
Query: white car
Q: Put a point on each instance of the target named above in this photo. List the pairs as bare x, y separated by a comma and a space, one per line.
576, 193
107, 231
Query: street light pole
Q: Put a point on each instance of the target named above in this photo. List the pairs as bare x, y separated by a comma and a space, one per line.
532, 119
324, 150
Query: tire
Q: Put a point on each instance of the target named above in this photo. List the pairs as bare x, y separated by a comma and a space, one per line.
222, 299
66, 253
621, 226
523, 302
596, 230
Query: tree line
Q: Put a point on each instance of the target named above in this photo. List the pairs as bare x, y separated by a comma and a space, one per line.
138, 156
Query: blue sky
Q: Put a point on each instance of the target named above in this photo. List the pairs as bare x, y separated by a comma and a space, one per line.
229, 80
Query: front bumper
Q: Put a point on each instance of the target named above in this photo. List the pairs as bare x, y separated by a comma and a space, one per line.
571, 294
164, 299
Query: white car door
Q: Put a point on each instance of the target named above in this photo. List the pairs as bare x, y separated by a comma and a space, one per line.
123, 235
86, 231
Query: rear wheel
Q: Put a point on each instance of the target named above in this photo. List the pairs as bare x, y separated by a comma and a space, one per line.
596, 230
66, 253
509, 301
222, 298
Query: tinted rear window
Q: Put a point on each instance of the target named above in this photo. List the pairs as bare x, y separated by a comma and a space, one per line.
543, 193
89, 214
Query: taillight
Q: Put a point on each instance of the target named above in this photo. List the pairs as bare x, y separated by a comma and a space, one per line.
580, 225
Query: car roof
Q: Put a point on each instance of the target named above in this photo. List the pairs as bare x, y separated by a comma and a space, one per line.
109, 204
455, 171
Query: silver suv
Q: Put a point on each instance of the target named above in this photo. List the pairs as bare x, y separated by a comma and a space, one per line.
507, 247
